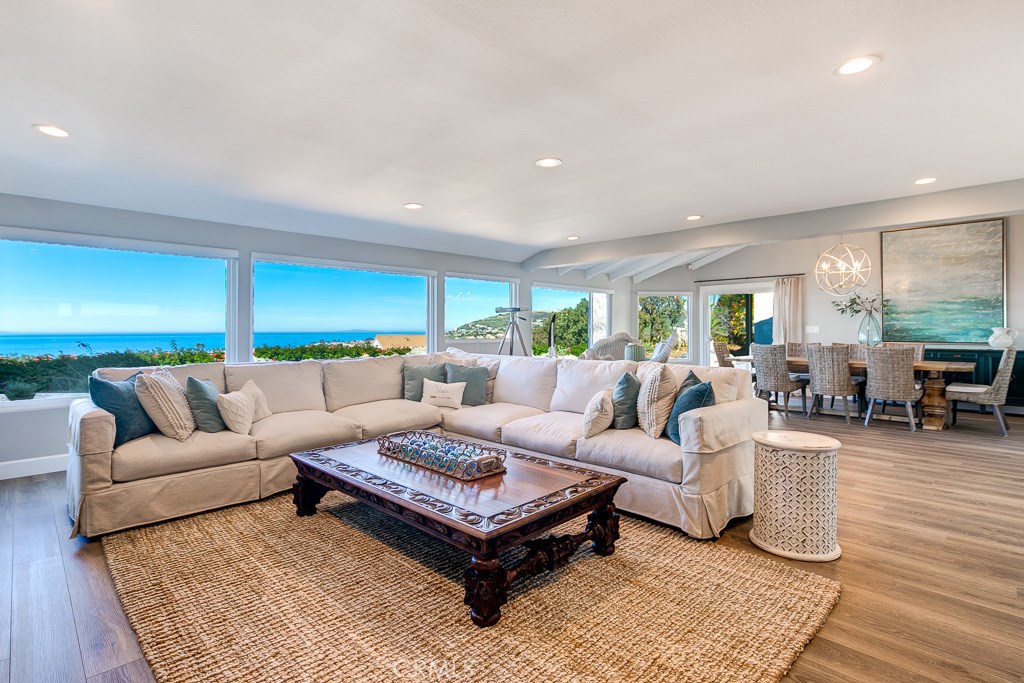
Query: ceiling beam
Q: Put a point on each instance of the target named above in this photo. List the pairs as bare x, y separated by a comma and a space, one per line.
669, 263
713, 256
967, 203
631, 267
604, 267
566, 269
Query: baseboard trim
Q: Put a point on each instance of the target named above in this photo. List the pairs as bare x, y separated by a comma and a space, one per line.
12, 469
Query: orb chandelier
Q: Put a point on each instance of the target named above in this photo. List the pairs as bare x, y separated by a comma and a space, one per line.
842, 270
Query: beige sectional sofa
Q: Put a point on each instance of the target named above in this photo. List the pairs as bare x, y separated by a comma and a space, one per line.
534, 404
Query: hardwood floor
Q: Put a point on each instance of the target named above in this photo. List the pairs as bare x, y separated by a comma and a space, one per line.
931, 525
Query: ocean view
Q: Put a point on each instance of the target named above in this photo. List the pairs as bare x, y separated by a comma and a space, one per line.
55, 344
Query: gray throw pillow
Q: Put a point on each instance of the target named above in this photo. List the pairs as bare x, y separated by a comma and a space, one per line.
119, 399
624, 401
202, 399
414, 376
475, 379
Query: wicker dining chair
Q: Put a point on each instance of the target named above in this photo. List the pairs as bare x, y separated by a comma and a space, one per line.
858, 351
918, 348
773, 374
984, 394
799, 350
723, 355
830, 376
891, 378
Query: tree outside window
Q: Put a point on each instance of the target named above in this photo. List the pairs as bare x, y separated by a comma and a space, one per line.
661, 315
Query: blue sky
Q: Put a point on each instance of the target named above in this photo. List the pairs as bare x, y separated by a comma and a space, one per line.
58, 289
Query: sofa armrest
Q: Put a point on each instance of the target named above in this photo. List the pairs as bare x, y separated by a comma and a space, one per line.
90, 444
711, 429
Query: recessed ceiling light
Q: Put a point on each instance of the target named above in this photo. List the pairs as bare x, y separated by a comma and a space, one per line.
412, 206
694, 217
925, 181
549, 162
52, 131
856, 65
572, 238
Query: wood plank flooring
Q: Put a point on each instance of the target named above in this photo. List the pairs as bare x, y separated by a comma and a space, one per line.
931, 525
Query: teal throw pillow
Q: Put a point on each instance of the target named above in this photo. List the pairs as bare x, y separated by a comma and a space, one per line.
414, 376
119, 399
202, 399
697, 396
475, 378
624, 401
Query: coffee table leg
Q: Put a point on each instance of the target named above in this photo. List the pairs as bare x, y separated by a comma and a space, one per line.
306, 493
487, 585
603, 528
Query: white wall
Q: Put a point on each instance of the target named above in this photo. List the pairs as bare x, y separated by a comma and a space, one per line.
799, 256
28, 435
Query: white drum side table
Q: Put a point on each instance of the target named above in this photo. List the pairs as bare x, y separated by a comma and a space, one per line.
795, 495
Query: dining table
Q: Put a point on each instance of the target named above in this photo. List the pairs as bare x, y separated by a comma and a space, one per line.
934, 404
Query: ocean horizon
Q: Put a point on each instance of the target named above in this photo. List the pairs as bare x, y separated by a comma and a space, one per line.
55, 344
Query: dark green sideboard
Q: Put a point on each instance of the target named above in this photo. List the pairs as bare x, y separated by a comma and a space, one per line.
987, 361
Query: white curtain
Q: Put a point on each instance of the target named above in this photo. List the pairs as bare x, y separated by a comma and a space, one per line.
788, 322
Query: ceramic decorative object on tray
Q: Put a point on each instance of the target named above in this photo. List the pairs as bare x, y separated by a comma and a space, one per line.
453, 457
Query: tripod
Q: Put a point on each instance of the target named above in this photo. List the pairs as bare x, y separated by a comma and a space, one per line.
512, 332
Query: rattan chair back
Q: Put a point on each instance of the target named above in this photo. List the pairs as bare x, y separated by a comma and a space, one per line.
770, 366
891, 374
723, 355
830, 370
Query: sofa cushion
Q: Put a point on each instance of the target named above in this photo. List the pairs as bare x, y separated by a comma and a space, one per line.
362, 380
555, 433
691, 398
414, 376
155, 455
624, 395
288, 386
202, 395
725, 381
391, 415
118, 398
599, 414
284, 433
526, 381
631, 450
210, 372
654, 403
485, 422
163, 399
578, 381
475, 379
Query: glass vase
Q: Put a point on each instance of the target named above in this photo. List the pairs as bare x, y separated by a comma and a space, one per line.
870, 332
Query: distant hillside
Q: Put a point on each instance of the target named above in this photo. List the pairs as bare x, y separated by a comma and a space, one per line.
493, 327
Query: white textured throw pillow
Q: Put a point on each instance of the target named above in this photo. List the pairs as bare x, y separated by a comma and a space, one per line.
164, 401
599, 414
654, 402
443, 395
237, 409
260, 400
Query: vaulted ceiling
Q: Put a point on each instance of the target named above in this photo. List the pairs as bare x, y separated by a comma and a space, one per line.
327, 117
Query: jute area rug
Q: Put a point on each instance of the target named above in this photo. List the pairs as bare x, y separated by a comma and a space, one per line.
255, 593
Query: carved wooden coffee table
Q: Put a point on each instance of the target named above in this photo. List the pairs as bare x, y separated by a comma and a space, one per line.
482, 517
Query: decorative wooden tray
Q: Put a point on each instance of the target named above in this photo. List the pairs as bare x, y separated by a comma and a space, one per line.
452, 457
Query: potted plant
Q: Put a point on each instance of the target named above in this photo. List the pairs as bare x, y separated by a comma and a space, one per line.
17, 390
870, 331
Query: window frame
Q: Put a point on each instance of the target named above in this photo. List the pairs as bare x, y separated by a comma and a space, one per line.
750, 287
74, 239
442, 326
590, 291
688, 358
430, 315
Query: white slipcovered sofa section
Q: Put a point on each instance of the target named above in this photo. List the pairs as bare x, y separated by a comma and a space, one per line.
534, 404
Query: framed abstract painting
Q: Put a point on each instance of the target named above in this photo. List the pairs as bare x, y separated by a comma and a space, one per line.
943, 283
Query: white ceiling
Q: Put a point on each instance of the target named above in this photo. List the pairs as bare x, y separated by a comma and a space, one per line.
326, 116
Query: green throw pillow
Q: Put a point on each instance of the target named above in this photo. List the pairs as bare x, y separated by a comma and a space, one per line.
475, 378
697, 396
202, 399
414, 376
624, 401
119, 399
